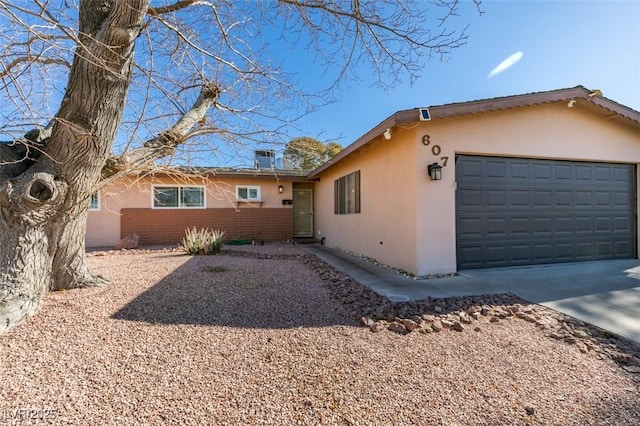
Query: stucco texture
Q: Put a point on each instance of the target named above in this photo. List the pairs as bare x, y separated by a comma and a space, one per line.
407, 220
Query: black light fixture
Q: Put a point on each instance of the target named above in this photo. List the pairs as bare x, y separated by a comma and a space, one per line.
280, 189
435, 171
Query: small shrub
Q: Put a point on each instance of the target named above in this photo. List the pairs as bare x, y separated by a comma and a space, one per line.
202, 241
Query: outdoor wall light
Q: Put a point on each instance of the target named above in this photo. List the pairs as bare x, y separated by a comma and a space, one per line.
280, 189
435, 171
387, 134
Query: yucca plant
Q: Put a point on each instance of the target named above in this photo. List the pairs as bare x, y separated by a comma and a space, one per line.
203, 241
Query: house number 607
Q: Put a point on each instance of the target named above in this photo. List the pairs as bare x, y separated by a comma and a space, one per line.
435, 149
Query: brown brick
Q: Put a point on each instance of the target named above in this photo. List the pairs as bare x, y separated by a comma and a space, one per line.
160, 226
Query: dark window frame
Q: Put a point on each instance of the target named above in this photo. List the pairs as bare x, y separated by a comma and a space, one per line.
346, 193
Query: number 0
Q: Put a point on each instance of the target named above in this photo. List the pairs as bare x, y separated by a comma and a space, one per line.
435, 150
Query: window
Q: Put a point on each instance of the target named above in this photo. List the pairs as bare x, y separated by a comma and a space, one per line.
346, 192
94, 203
191, 197
248, 193
184, 197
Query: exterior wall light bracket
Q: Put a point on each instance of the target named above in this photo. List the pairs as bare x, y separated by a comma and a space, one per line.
435, 171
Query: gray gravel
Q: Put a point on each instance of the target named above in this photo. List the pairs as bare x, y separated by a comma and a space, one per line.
263, 335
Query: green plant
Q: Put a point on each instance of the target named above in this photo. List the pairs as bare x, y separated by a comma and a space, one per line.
202, 241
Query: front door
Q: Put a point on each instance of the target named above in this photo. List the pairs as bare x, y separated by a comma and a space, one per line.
303, 213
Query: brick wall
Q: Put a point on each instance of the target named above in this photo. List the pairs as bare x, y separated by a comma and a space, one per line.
156, 226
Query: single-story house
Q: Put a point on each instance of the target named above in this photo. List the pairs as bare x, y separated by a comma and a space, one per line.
250, 204
528, 179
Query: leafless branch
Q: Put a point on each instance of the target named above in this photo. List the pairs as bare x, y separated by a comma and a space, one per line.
234, 44
155, 11
165, 143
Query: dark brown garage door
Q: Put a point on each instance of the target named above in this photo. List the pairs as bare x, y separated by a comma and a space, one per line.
513, 211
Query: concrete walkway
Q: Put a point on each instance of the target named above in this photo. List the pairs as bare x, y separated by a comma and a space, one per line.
603, 293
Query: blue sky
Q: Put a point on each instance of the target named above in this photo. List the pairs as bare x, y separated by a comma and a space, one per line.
563, 43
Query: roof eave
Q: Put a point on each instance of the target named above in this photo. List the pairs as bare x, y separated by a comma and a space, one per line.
480, 106
400, 117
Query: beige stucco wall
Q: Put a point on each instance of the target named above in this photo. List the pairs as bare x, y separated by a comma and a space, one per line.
103, 225
413, 216
385, 228
550, 131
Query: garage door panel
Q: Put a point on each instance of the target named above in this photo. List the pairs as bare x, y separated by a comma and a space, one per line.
496, 169
584, 250
542, 172
471, 227
564, 252
582, 225
564, 225
496, 198
603, 198
542, 211
563, 198
622, 174
563, 172
496, 228
604, 248
469, 198
519, 225
603, 224
520, 253
519, 171
519, 198
542, 253
494, 225
621, 248
583, 173
602, 173
542, 226
497, 254
622, 224
582, 198
542, 197
621, 199
471, 169
472, 256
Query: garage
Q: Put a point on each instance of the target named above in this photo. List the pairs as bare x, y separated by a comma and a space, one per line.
517, 211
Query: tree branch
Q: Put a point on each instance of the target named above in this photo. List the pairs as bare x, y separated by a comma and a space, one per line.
165, 143
155, 11
8, 68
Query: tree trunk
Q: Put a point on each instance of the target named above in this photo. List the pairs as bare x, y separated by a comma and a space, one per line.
24, 273
26, 257
44, 206
43, 210
69, 269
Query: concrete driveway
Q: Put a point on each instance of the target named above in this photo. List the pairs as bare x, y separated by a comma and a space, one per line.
603, 293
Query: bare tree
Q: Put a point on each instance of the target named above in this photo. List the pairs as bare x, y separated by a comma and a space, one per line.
93, 89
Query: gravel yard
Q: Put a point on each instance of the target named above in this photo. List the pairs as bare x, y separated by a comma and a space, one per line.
271, 335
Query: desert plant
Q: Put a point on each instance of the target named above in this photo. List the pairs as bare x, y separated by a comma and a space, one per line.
203, 241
